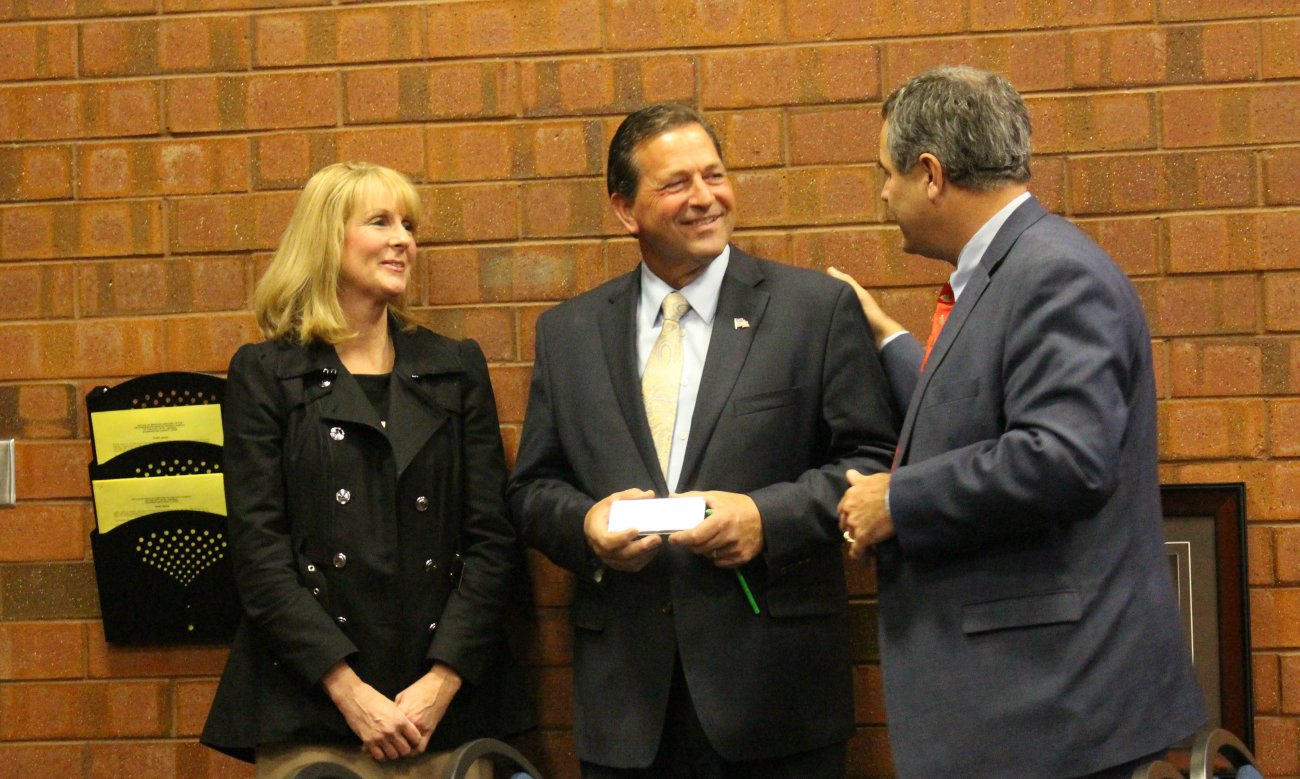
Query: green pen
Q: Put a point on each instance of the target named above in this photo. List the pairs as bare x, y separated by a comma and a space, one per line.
740, 577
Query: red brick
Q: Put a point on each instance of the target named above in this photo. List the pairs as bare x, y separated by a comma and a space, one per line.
750, 139
116, 662
1153, 182
780, 76
1185, 10
1192, 306
120, 347
1218, 367
1212, 429
203, 104
195, 166
1210, 243
221, 5
510, 383
206, 343
554, 695
1278, 232
1228, 52
161, 760
1279, 54
1281, 365
1281, 176
35, 173
38, 52
1290, 683
681, 23
531, 272
1281, 291
1033, 62
869, 754
872, 255
199, 44
193, 702
551, 585
1284, 428
470, 212
42, 650
868, 695
43, 532
512, 27
1260, 570
1280, 492
28, 232
1225, 116
550, 639
119, 48
823, 20
63, 760
1275, 618
1266, 681
120, 109
275, 102
806, 196
1133, 243
282, 159
471, 90
42, 291
841, 135
47, 411
229, 223
1014, 15
116, 7
83, 710
33, 113
338, 35
1120, 57
1093, 123
562, 148
493, 329
1287, 542
771, 244
470, 152
662, 79
400, 148
1277, 745
35, 351
574, 207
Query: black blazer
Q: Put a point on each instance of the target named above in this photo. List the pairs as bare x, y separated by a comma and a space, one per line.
791, 396
1027, 619
386, 546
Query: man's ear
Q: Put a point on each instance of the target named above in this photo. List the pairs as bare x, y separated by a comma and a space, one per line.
936, 178
623, 210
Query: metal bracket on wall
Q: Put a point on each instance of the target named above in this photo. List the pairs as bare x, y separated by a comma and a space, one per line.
7, 496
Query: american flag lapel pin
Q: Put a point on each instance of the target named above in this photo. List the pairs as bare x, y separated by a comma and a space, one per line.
740, 323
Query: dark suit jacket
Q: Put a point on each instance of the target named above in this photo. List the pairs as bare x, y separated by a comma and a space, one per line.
785, 406
388, 547
1027, 618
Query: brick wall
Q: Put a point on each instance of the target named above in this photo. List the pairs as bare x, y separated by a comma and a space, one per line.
150, 151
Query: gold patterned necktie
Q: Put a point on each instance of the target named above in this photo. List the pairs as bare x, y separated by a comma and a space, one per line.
663, 377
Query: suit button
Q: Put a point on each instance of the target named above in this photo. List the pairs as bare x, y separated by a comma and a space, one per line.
341, 620
667, 608
421, 503
311, 568
433, 626
343, 496
430, 565
325, 382
315, 591
340, 559
337, 433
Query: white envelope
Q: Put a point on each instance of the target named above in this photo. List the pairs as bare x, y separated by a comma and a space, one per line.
656, 515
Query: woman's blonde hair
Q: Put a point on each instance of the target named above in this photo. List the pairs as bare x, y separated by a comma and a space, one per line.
297, 297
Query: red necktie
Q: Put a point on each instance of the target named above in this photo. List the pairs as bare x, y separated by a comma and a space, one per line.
942, 308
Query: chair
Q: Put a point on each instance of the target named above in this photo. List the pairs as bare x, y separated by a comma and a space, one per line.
472, 751
1211, 743
1157, 769
326, 769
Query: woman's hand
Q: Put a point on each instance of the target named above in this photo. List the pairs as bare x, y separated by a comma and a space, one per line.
426, 700
385, 731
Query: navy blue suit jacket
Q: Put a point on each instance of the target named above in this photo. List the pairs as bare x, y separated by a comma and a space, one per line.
1027, 617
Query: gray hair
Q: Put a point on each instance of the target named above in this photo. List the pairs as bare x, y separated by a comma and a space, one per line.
974, 121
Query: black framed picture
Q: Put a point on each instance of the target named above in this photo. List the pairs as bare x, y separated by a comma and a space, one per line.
1205, 540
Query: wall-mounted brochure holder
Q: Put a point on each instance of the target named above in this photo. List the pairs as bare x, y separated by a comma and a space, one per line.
162, 557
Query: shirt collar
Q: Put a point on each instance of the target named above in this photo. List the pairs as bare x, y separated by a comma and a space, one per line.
702, 293
973, 251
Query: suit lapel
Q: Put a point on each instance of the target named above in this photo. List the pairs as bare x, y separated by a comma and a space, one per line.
1025, 215
617, 324
739, 301
414, 414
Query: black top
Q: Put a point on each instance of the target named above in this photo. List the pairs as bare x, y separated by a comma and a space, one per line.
375, 385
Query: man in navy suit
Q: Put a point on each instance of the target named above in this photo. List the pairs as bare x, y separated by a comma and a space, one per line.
1027, 619
675, 673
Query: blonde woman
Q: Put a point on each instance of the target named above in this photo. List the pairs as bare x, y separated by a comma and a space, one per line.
364, 476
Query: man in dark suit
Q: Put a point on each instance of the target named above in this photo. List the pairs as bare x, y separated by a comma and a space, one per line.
1027, 619
775, 395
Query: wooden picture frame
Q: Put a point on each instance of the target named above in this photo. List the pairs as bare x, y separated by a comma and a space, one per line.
1205, 537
